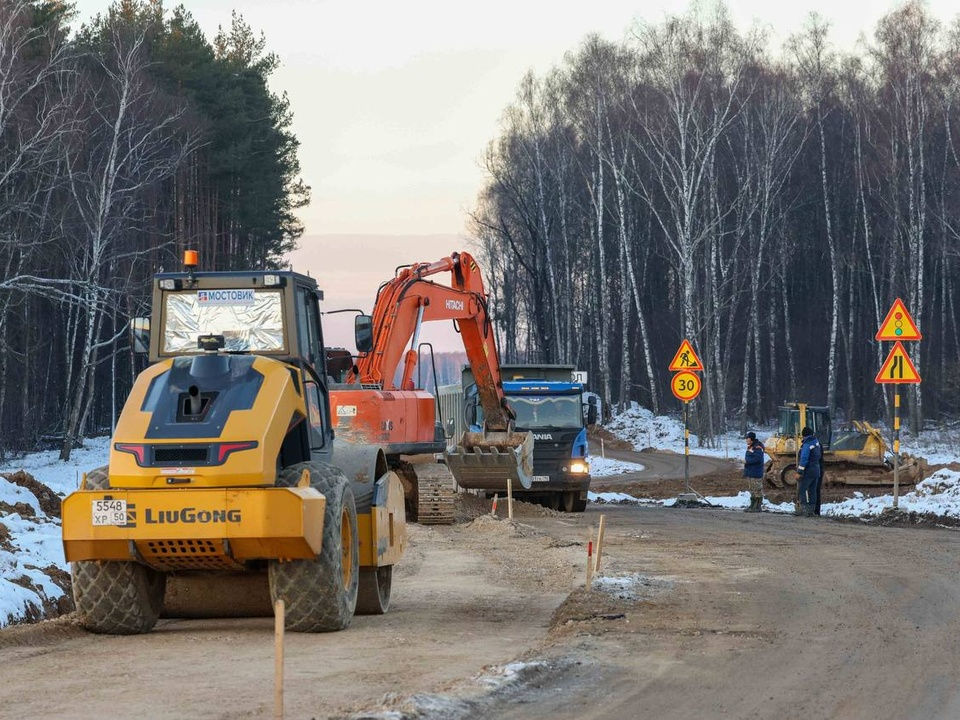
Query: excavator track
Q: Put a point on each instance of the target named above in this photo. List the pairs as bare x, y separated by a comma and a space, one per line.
435, 494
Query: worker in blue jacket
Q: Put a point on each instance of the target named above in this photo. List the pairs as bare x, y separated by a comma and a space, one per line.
753, 466
808, 472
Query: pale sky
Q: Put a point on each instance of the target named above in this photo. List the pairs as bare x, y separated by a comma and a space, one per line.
395, 102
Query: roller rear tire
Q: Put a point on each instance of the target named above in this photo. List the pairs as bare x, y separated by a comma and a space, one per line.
320, 595
117, 597
98, 479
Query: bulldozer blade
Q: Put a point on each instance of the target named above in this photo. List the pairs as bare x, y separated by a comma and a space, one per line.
486, 460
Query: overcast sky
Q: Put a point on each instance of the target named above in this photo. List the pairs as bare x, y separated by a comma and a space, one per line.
395, 102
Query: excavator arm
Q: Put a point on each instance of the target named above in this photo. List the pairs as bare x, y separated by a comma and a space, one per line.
484, 460
409, 300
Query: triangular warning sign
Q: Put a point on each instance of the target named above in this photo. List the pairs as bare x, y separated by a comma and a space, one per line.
685, 359
898, 368
898, 325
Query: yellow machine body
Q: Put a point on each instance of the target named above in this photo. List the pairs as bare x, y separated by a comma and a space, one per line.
276, 407
195, 529
859, 456
383, 532
223, 467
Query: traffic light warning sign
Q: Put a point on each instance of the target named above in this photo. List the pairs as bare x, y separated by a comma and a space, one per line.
898, 325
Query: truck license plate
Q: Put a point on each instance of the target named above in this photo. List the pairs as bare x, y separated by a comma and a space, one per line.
541, 478
109, 512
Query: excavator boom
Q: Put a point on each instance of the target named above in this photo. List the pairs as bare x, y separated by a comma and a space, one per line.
481, 460
409, 300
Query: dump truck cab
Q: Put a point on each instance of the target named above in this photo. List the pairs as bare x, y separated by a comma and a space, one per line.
549, 404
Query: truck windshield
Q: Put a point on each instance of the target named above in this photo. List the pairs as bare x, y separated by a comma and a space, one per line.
248, 320
546, 412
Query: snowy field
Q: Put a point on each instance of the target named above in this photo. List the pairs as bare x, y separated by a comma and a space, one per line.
32, 540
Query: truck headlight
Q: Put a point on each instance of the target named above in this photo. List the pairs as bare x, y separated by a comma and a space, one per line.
579, 467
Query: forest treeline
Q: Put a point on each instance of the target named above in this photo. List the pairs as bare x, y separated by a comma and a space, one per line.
769, 206
123, 141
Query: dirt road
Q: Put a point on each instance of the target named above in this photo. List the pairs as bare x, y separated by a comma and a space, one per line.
699, 613
661, 465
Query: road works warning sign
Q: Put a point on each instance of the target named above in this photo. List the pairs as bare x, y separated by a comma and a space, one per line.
898, 368
898, 325
685, 359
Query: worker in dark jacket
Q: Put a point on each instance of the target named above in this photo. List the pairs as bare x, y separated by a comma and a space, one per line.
808, 472
753, 463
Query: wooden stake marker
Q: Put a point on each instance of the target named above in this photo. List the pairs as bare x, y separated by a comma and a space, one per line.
596, 562
278, 623
590, 560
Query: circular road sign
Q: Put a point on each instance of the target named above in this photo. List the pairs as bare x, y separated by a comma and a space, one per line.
685, 385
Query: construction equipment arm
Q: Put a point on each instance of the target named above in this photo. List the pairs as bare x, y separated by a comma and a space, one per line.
406, 302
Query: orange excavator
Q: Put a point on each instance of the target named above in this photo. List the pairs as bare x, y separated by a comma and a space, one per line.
378, 400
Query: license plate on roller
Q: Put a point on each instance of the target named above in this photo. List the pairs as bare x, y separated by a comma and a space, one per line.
541, 478
109, 512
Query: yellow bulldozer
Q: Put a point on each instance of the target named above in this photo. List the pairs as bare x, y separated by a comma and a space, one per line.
856, 457
225, 491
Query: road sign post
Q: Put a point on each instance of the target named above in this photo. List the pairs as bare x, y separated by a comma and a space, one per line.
686, 385
897, 369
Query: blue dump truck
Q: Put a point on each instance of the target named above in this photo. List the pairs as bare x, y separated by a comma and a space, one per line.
550, 403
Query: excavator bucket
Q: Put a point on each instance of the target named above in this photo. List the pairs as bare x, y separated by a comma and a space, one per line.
486, 460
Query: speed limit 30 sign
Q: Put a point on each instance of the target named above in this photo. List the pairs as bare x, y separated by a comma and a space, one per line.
685, 385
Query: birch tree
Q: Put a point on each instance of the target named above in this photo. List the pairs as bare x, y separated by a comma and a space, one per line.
132, 140
34, 118
695, 66
905, 54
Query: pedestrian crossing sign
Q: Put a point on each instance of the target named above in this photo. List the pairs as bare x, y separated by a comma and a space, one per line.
898, 368
685, 359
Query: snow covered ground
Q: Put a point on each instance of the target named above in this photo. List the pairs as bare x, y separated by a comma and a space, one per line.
30, 539
33, 541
